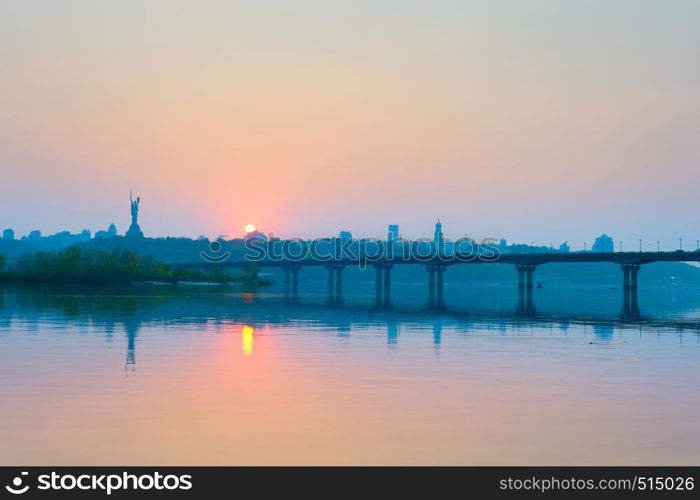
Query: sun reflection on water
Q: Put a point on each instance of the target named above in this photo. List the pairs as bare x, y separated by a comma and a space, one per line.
247, 336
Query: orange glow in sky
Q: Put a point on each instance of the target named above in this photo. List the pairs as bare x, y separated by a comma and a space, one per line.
249, 228
563, 122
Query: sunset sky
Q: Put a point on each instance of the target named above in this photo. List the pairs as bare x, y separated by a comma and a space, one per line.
532, 120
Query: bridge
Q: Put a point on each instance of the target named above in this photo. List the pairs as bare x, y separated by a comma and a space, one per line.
436, 263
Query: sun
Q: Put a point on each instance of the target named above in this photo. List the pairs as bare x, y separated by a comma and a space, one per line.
250, 228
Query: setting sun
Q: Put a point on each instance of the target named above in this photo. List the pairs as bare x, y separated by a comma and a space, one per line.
250, 228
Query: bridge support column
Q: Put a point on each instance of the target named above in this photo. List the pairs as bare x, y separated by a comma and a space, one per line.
625, 276
335, 283
387, 284
529, 271
525, 286
295, 280
520, 268
339, 282
287, 279
378, 282
630, 287
629, 275
382, 284
634, 271
331, 275
436, 285
431, 285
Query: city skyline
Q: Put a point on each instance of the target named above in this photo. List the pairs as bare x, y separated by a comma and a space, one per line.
600, 243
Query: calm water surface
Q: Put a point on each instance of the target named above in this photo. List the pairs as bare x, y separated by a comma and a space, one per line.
213, 375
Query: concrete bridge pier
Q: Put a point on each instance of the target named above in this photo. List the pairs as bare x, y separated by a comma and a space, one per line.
525, 305
378, 288
625, 277
520, 268
525, 276
291, 280
431, 282
331, 275
436, 285
440, 285
629, 276
630, 286
295, 280
634, 271
335, 283
339, 281
529, 271
382, 284
287, 279
431, 286
387, 284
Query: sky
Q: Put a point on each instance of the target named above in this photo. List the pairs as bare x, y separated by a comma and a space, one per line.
531, 120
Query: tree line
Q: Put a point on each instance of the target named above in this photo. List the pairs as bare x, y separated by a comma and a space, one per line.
77, 265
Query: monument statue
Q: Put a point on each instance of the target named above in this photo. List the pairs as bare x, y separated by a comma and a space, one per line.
134, 230
134, 209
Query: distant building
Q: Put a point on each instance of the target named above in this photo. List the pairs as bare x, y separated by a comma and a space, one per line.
564, 247
8, 234
438, 236
345, 235
34, 235
393, 232
109, 233
603, 244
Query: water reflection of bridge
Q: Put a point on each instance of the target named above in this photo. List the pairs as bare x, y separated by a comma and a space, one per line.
435, 302
141, 306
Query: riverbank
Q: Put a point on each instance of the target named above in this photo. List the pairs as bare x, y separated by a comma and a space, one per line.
75, 265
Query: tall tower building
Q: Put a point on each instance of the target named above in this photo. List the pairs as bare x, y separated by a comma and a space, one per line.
393, 232
438, 237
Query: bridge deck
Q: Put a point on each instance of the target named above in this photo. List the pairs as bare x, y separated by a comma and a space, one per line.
449, 260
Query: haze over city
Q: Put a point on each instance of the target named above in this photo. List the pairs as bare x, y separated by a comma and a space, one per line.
534, 121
